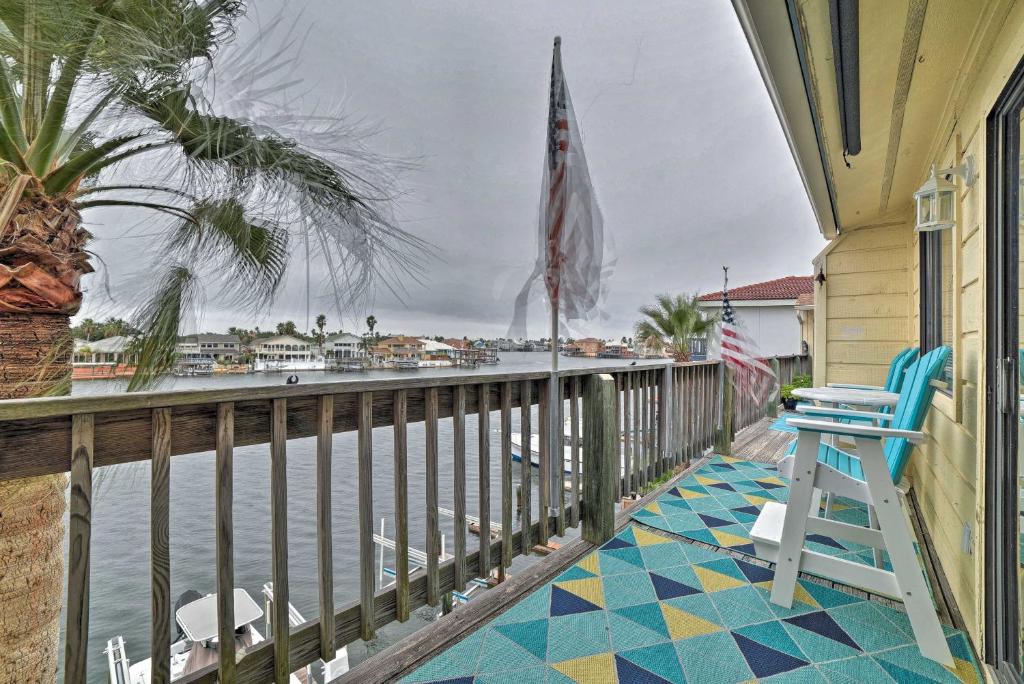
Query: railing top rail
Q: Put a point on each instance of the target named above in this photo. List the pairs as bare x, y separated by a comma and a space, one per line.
49, 407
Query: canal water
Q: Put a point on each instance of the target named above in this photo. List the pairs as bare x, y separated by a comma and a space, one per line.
119, 592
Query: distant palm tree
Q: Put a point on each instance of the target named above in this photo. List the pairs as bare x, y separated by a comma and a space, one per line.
371, 323
86, 86
672, 323
318, 334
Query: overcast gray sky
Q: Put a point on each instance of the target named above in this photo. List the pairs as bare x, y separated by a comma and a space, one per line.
689, 164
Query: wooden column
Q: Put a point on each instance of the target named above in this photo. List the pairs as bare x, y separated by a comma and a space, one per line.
723, 438
600, 444
484, 476
279, 537
459, 468
324, 545
364, 419
76, 647
772, 410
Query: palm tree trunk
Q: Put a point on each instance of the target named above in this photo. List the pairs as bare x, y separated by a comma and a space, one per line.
35, 359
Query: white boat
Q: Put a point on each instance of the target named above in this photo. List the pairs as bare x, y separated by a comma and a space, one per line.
517, 449
517, 452
266, 366
196, 647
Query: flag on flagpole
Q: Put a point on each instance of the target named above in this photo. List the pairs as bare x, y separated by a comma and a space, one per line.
571, 240
751, 375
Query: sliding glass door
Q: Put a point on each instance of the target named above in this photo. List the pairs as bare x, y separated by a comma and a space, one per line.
1004, 493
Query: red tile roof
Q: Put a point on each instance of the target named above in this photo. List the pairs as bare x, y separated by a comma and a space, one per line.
789, 287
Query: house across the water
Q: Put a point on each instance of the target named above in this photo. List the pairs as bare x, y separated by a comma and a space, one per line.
766, 311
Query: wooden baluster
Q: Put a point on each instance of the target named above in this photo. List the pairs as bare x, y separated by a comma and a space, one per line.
627, 437
401, 411
459, 462
664, 420
544, 485
574, 438
484, 476
433, 542
506, 474
691, 411
525, 486
638, 437
279, 535
645, 391
159, 548
364, 420
324, 546
76, 646
559, 470
664, 404
225, 542
619, 493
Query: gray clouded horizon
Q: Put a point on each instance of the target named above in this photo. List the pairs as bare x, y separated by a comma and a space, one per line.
690, 167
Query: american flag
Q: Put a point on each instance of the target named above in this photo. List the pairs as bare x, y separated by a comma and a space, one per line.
750, 374
572, 250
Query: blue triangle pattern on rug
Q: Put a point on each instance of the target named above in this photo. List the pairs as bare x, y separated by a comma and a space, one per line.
631, 673
688, 614
765, 661
566, 603
823, 624
667, 588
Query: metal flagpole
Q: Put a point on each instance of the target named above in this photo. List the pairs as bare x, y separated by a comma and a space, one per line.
555, 429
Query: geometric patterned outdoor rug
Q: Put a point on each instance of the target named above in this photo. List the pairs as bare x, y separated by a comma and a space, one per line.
648, 609
718, 503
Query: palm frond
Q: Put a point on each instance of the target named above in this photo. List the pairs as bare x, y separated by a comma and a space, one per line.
249, 257
159, 319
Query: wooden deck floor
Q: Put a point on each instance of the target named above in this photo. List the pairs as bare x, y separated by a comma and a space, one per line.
759, 443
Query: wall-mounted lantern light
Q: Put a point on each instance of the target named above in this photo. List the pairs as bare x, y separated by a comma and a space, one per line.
936, 199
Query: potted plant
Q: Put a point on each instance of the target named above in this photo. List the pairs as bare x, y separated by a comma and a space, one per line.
788, 400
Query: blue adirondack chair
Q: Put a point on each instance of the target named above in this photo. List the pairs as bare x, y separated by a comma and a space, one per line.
894, 379
868, 474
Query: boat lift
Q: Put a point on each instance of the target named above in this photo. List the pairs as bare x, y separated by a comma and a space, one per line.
418, 561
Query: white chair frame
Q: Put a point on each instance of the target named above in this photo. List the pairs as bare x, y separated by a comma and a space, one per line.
780, 531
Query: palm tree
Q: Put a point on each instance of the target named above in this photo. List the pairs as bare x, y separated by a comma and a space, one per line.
102, 104
672, 323
371, 323
318, 334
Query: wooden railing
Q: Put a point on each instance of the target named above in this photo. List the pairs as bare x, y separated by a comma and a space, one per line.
664, 416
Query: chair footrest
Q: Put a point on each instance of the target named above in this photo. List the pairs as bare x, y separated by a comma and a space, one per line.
767, 537
767, 529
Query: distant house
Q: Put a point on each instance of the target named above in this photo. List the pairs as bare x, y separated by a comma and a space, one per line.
616, 350
433, 349
458, 343
110, 350
399, 348
344, 346
766, 312
283, 348
226, 348
590, 347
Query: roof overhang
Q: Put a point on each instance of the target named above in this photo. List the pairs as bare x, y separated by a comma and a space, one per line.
770, 28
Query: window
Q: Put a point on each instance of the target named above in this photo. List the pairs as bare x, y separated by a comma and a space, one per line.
937, 296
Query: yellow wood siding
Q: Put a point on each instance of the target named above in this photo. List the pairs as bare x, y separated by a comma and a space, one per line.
869, 308
867, 303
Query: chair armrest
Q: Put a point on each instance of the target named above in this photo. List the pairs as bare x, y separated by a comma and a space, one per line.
816, 411
843, 385
851, 430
